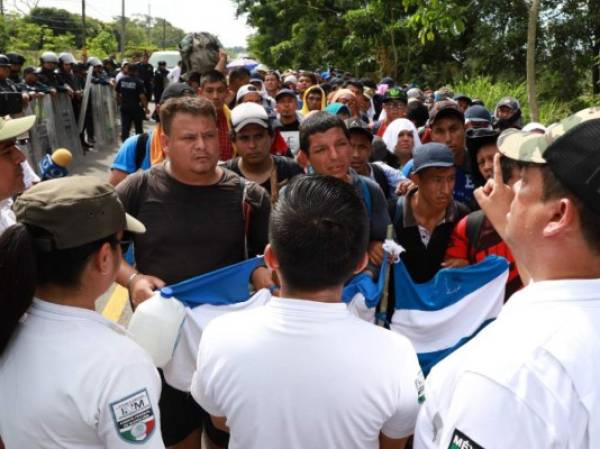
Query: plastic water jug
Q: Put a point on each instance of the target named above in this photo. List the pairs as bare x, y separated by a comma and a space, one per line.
156, 323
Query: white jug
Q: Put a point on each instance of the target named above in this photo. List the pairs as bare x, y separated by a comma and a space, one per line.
156, 323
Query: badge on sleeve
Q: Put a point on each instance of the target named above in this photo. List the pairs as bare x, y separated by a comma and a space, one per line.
420, 386
461, 441
134, 417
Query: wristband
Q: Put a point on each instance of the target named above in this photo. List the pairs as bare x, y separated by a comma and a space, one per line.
131, 278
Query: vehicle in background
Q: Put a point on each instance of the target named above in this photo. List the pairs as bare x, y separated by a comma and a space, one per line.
170, 57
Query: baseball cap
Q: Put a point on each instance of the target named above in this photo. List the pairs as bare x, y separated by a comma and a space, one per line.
176, 90
432, 154
462, 97
12, 128
285, 92
394, 94
290, 79
477, 113
509, 102
245, 90
75, 210
569, 148
356, 124
443, 109
478, 137
247, 113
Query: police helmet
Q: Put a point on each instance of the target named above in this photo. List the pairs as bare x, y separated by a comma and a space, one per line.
93, 61
4, 62
66, 58
15, 58
49, 56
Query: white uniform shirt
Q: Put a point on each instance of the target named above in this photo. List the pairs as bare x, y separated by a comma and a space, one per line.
529, 380
7, 216
305, 374
69, 379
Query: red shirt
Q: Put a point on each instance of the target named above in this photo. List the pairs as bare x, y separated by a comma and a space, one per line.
225, 147
488, 242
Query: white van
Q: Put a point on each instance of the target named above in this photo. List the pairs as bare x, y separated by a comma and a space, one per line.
170, 57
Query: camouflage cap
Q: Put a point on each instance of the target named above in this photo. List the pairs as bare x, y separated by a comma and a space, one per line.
530, 146
570, 148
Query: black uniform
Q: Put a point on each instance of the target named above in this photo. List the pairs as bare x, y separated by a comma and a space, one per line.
146, 74
51, 79
130, 88
160, 81
11, 101
36, 87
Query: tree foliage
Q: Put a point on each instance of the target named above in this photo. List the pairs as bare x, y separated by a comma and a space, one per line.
432, 42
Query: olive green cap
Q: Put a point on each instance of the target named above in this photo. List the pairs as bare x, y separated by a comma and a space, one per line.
74, 211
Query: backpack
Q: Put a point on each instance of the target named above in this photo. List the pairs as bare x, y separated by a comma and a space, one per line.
140, 150
366, 196
474, 224
199, 52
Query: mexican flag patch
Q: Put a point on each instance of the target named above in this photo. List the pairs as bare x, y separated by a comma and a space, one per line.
134, 417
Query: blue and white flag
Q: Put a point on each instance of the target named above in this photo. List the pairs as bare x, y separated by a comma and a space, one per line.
441, 315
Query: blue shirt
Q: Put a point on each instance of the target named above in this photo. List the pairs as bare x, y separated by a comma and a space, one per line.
125, 158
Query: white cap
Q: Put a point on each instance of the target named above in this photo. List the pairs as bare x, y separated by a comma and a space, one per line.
248, 113
245, 90
534, 126
290, 79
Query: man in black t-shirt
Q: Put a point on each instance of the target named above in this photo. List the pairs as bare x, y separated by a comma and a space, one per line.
252, 136
199, 217
145, 72
132, 101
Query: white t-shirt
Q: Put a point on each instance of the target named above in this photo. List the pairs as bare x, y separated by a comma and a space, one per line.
71, 379
178, 372
529, 380
7, 216
306, 374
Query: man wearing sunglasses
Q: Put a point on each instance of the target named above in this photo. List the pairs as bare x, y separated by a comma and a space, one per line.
12, 180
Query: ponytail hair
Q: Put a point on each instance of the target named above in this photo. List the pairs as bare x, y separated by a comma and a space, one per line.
23, 267
18, 279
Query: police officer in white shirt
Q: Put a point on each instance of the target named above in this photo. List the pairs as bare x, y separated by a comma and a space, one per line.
303, 371
68, 377
12, 168
530, 379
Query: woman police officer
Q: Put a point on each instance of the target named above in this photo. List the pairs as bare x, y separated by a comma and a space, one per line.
68, 377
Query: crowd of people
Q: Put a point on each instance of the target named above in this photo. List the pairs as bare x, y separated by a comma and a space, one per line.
314, 171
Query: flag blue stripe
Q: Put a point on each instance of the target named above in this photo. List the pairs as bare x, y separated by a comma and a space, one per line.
447, 287
428, 360
227, 285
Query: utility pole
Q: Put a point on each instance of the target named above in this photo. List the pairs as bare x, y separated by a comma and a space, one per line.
122, 27
164, 45
83, 30
2, 7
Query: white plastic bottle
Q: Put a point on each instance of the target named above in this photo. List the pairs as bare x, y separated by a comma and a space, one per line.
156, 323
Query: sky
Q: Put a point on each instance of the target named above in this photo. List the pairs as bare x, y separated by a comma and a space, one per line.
214, 16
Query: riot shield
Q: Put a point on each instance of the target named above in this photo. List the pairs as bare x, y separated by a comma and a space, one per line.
61, 126
39, 142
85, 99
104, 113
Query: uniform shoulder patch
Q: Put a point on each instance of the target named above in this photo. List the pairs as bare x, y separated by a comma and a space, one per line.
420, 386
461, 441
134, 417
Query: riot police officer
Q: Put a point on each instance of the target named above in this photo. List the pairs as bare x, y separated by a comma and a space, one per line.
16, 62
47, 73
12, 100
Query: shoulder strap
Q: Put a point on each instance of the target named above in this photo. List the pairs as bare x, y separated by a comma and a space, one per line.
140, 149
474, 225
246, 213
366, 196
399, 212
